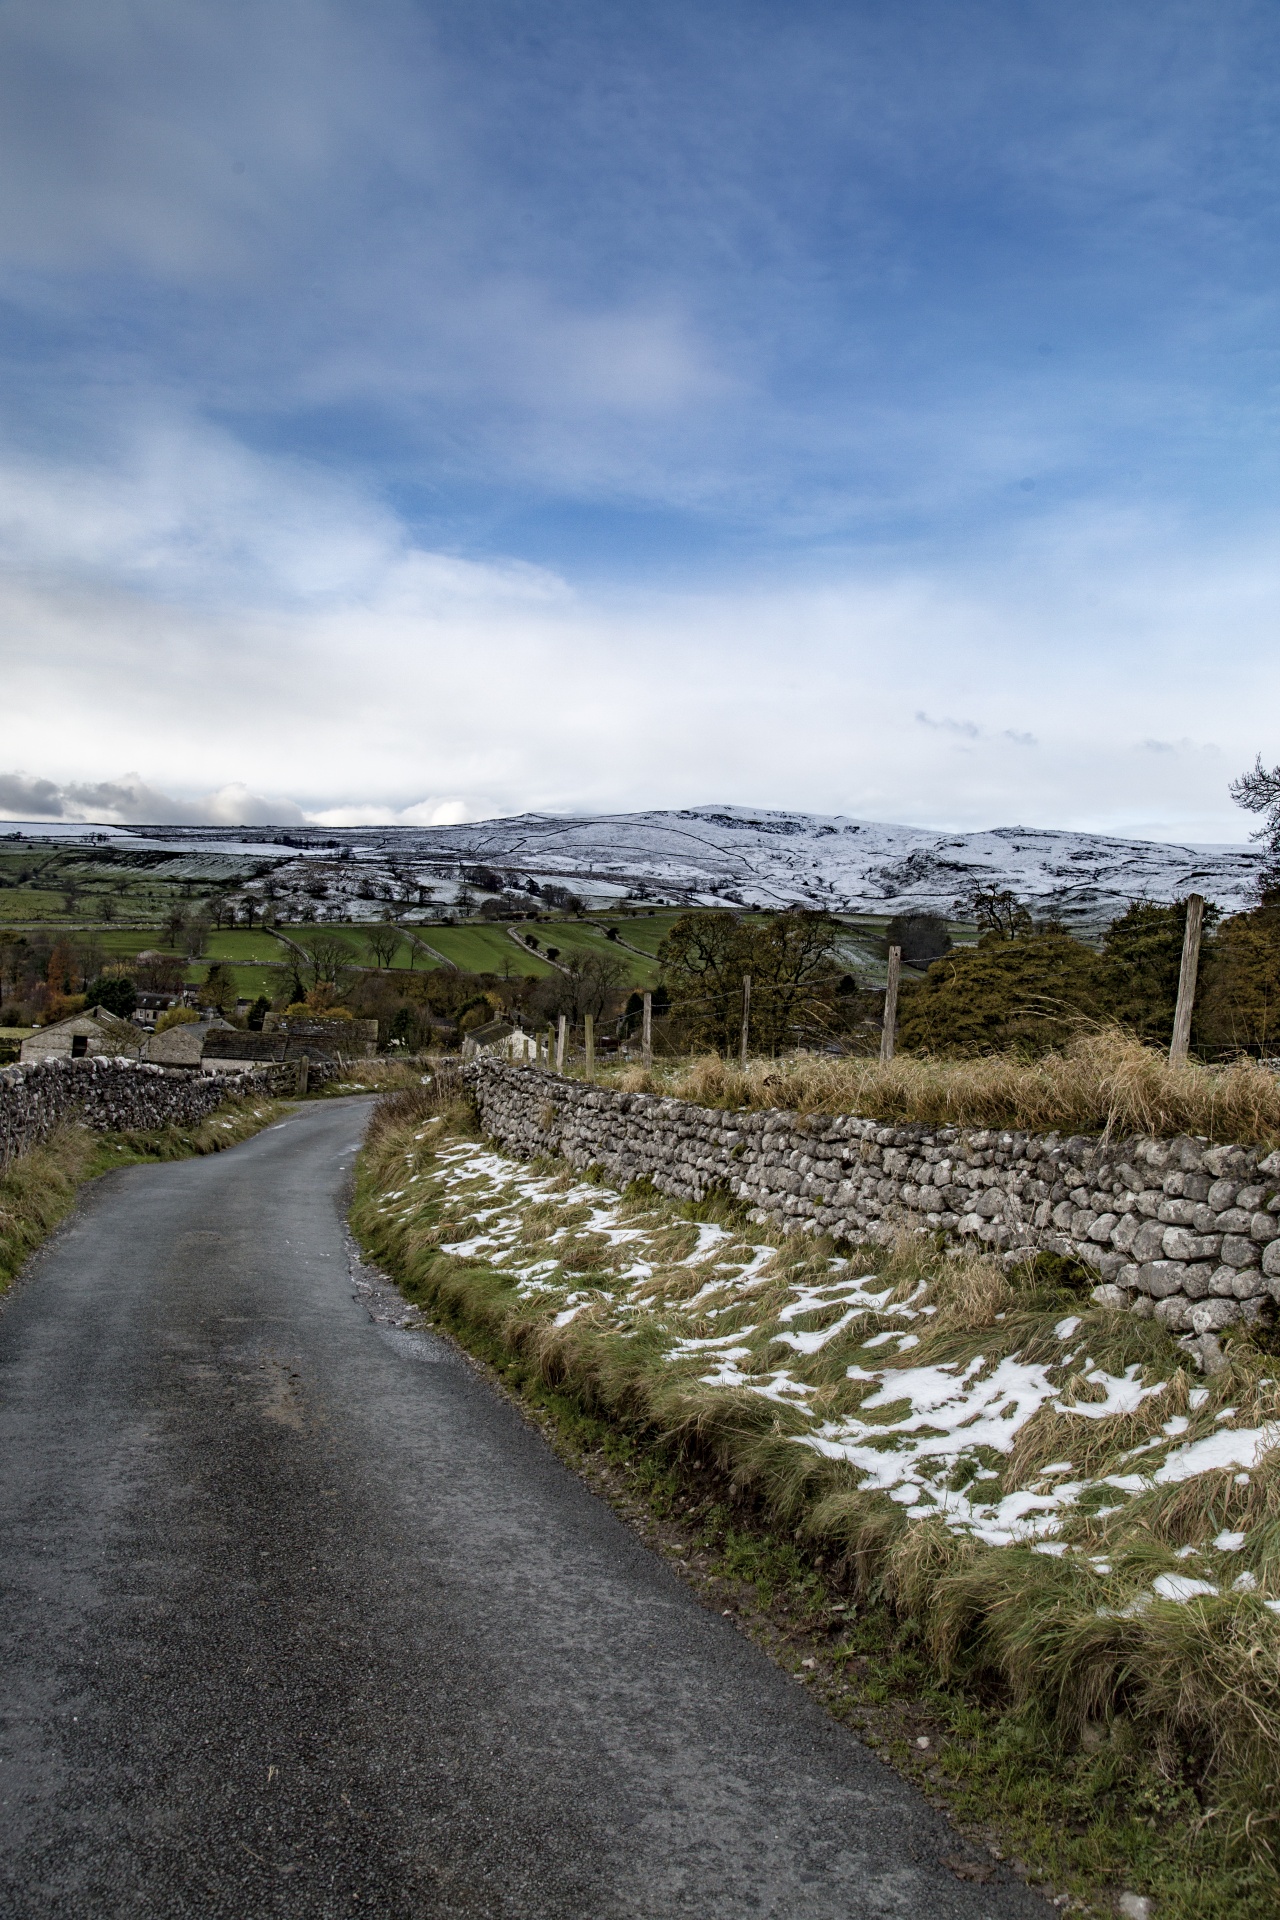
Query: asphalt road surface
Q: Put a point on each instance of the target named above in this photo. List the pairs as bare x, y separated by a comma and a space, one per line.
299, 1618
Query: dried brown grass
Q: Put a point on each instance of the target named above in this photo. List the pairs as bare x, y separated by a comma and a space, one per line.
1102, 1083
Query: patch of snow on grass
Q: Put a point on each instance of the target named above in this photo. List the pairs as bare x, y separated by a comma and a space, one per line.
916, 1431
1233, 1447
1181, 1587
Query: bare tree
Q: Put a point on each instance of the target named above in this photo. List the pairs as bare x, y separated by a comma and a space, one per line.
328, 959
590, 985
382, 942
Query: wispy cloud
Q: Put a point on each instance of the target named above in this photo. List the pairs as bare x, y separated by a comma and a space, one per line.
967, 729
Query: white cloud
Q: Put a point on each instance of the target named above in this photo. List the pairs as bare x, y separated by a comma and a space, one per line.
246, 629
129, 800
424, 813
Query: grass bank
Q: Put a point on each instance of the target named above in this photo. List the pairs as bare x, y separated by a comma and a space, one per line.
38, 1188
1104, 1082
982, 1493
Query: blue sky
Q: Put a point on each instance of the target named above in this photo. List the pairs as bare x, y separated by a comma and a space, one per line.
431, 412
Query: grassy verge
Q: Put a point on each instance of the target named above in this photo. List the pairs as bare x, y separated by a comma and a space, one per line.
994, 1518
38, 1189
1104, 1082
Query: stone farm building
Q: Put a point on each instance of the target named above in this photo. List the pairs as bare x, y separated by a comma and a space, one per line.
501, 1040
346, 1039
232, 1050
180, 1046
95, 1031
210, 1045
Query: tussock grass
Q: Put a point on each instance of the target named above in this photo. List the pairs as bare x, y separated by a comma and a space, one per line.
386, 1073
38, 1188
757, 1355
1103, 1082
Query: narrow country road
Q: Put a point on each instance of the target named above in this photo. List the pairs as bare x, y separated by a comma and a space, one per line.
299, 1618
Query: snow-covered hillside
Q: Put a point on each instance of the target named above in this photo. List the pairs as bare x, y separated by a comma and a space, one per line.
775, 858
735, 855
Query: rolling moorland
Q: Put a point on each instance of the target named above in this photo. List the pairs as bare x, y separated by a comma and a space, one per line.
702, 856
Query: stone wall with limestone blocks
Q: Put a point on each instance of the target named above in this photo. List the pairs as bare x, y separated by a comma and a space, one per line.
1178, 1229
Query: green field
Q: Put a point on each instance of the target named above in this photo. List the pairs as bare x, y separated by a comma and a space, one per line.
245, 946
485, 948
588, 937
263, 964
645, 930
250, 982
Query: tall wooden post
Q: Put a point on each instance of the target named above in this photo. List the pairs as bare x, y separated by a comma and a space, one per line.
547, 1045
589, 1037
646, 1031
890, 1028
746, 1014
561, 1025
1181, 1042
304, 1073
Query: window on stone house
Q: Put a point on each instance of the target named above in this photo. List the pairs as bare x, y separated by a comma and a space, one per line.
79, 1045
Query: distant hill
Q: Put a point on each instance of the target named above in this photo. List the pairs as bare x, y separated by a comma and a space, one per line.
859, 865
749, 856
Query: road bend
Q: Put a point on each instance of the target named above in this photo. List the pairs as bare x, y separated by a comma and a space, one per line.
300, 1618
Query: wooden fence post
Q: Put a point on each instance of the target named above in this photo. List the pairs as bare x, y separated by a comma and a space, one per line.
889, 1031
560, 1033
1181, 1042
589, 1036
304, 1073
746, 1014
646, 1031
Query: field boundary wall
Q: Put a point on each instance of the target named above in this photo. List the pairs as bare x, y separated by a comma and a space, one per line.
1178, 1229
116, 1095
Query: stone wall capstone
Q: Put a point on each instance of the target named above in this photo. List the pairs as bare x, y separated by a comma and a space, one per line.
110, 1095
1176, 1229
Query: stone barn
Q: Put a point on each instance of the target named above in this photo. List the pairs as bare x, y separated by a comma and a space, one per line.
83, 1035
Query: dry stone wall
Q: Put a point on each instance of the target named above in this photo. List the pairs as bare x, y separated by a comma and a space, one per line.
1178, 1229
108, 1095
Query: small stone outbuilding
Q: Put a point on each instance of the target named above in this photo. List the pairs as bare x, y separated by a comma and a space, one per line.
500, 1040
233, 1050
81, 1036
180, 1046
340, 1039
